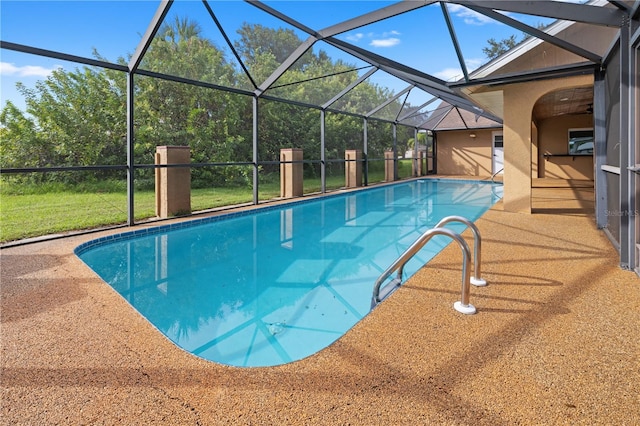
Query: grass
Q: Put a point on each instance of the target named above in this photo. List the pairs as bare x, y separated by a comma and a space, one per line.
35, 210
32, 215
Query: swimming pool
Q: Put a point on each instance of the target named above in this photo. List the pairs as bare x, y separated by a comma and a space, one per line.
277, 284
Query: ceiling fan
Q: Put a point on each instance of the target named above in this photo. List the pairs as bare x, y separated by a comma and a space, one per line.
579, 110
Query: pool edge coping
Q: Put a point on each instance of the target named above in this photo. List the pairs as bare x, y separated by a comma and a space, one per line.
191, 222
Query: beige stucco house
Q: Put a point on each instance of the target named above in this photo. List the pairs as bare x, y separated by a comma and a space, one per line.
562, 119
539, 118
466, 144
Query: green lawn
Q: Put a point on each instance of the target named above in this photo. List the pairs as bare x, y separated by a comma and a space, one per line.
36, 210
31, 215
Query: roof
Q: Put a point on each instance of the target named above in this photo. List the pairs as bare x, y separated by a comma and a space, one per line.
448, 117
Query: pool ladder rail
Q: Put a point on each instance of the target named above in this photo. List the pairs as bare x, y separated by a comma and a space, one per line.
463, 306
493, 176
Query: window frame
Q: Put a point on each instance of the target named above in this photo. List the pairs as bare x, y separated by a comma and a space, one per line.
581, 130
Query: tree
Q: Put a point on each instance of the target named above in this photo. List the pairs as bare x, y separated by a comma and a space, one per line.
73, 118
497, 48
207, 120
21, 145
257, 40
78, 117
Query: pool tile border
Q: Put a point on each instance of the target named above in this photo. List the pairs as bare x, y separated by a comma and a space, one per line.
144, 232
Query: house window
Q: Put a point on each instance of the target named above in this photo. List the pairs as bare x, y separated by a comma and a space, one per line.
581, 141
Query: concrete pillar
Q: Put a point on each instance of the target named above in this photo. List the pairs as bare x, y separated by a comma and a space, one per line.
417, 166
389, 175
173, 184
291, 175
517, 150
352, 168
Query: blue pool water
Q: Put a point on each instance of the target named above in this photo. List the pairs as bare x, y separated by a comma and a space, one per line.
277, 284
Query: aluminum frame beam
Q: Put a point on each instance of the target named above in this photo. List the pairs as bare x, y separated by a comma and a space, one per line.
446, 110
635, 11
423, 81
392, 67
62, 56
620, 5
134, 63
130, 149
600, 148
536, 33
426, 85
629, 121
454, 39
466, 126
323, 153
152, 29
255, 142
374, 16
404, 102
284, 66
191, 82
229, 43
634, 147
285, 18
388, 101
394, 127
387, 64
417, 109
306, 80
541, 74
347, 89
587, 14
635, 37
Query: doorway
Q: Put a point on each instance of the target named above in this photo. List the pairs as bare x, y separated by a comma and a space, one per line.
498, 153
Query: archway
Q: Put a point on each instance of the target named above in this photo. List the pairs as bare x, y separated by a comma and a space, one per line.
522, 133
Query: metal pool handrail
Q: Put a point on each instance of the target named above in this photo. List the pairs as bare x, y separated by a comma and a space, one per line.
462, 306
496, 174
476, 279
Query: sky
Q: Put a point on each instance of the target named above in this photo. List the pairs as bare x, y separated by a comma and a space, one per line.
114, 28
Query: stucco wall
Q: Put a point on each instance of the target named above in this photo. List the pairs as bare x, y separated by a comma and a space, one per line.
460, 154
519, 100
553, 139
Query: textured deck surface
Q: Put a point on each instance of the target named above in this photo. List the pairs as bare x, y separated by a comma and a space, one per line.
555, 341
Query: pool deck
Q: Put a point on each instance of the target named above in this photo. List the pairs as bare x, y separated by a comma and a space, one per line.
555, 341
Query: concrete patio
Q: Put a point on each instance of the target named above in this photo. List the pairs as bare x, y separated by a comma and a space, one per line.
555, 341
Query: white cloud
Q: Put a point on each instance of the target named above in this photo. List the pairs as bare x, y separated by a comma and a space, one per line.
449, 74
469, 16
385, 42
385, 39
7, 69
474, 63
354, 37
